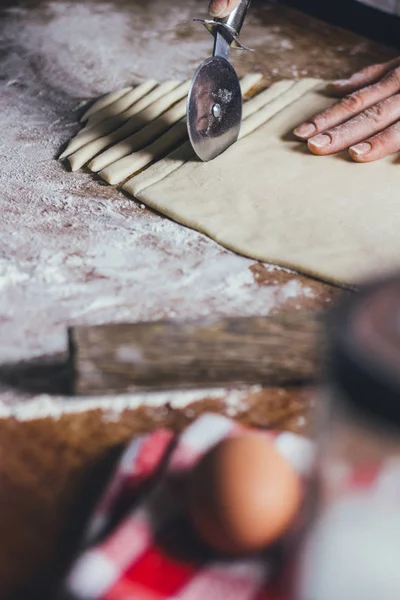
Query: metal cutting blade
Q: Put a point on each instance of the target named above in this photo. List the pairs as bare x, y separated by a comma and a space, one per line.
214, 107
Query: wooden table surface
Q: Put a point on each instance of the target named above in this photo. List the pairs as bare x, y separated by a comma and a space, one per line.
75, 251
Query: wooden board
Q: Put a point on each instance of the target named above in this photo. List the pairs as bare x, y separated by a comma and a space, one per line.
73, 251
287, 350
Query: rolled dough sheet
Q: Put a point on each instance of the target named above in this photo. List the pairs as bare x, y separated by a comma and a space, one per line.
268, 198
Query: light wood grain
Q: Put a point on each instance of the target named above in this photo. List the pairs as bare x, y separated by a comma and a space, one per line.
129, 357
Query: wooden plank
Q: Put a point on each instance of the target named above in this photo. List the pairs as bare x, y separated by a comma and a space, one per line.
281, 350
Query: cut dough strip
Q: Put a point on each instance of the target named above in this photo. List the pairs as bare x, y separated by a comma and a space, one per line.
249, 82
155, 129
140, 139
274, 91
116, 121
159, 170
85, 137
293, 93
275, 99
127, 166
134, 124
105, 101
122, 104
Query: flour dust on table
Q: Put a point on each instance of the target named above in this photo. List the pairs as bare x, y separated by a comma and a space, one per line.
323, 216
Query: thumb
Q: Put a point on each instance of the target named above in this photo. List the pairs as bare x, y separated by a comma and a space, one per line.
222, 8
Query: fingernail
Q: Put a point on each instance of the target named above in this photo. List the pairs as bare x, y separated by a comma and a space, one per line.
305, 131
360, 149
218, 8
334, 87
339, 83
320, 141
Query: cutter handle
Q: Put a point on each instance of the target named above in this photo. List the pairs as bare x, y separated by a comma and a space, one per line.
236, 19
229, 27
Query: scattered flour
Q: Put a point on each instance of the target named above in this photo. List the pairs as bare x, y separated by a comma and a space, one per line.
294, 289
45, 406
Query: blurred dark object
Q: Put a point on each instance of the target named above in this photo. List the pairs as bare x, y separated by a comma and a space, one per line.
357, 521
364, 365
355, 16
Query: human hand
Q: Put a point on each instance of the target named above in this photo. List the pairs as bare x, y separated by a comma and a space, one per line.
222, 8
366, 121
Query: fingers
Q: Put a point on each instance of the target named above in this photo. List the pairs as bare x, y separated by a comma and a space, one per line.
380, 145
351, 105
222, 8
367, 123
364, 78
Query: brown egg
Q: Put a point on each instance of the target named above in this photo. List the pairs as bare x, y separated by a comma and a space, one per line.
243, 495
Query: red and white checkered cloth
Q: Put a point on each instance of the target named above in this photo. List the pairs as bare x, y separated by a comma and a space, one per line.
139, 545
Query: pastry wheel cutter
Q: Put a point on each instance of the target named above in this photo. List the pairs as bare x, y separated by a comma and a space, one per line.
214, 107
